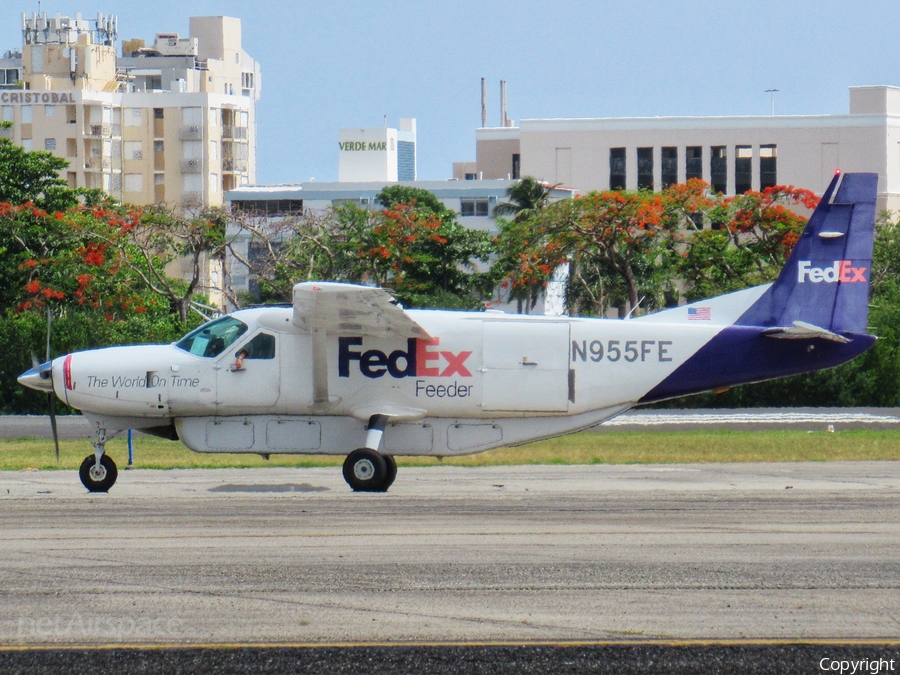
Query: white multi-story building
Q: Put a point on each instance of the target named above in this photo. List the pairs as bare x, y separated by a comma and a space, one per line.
733, 154
172, 123
378, 153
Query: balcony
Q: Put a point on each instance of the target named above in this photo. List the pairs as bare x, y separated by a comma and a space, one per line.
103, 130
191, 166
191, 133
191, 198
234, 165
230, 132
97, 163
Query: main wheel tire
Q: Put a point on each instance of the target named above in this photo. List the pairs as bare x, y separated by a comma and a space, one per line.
98, 479
391, 471
365, 470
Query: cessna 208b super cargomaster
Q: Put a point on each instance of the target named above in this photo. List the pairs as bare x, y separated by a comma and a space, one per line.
346, 368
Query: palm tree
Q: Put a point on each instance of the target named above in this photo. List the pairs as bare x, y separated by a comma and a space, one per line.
526, 198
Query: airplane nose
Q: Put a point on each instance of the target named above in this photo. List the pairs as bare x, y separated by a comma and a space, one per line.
40, 377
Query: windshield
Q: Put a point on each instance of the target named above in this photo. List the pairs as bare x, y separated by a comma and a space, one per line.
213, 338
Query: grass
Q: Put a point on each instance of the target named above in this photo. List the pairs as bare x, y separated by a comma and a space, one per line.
612, 447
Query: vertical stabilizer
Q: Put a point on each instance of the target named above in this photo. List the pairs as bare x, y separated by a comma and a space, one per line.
825, 282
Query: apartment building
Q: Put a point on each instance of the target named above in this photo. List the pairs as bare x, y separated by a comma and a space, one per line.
173, 122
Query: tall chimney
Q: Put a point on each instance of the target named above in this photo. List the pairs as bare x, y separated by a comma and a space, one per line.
483, 103
503, 119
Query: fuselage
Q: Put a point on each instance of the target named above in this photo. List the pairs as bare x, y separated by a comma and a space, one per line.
482, 379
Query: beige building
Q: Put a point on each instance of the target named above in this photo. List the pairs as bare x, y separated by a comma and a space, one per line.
170, 123
733, 154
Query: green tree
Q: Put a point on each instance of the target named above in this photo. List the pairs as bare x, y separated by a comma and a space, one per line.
526, 198
33, 177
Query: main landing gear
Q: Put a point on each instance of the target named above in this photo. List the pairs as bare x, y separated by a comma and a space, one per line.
98, 472
366, 469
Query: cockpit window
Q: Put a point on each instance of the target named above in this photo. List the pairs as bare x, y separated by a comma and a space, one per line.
213, 338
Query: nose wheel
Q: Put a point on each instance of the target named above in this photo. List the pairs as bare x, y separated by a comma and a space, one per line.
98, 477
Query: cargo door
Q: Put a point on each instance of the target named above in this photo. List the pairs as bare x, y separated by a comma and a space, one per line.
525, 366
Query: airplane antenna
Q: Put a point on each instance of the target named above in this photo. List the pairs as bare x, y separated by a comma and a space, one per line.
633, 309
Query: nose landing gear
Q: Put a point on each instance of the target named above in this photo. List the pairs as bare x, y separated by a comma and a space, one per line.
98, 472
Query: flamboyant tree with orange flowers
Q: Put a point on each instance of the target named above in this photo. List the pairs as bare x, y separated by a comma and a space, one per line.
615, 244
745, 240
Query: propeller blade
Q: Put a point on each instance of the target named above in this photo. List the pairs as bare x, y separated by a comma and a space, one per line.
34, 361
49, 321
52, 397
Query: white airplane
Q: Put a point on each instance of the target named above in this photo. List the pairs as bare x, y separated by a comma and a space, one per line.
347, 371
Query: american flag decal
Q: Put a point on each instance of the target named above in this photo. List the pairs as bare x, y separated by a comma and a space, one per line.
699, 314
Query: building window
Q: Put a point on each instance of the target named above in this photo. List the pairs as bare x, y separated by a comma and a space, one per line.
693, 162
669, 167
133, 117
7, 113
768, 166
192, 182
743, 169
267, 207
50, 144
159, 179
28, 144
9, 76
133, 150
159, 146
213, 182
473, 207
192, 116
134, 182
26, 114
213, 117
645, 168
71, 147
158, 113
718, 168
247, 80
49, 111
617, 168
516, 166
191, 149
471, 176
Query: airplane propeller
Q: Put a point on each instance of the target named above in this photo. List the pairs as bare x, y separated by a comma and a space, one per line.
45, 371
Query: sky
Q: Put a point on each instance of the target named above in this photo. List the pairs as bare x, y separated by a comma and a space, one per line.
349, 63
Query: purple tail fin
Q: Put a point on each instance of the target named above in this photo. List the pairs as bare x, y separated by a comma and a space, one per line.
825, 282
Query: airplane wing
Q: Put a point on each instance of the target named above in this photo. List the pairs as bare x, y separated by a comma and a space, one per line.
325, 308
347, 309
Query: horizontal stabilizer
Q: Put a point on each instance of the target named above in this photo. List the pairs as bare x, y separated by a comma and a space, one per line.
804, 331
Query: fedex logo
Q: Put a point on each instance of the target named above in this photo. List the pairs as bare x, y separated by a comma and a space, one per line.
419, 360
842, 271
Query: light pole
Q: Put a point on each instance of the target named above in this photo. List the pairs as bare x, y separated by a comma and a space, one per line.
771, 92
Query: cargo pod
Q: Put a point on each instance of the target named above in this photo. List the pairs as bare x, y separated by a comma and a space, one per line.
525, 366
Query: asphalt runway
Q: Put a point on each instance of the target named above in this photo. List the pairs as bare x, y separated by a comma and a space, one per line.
450, 554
